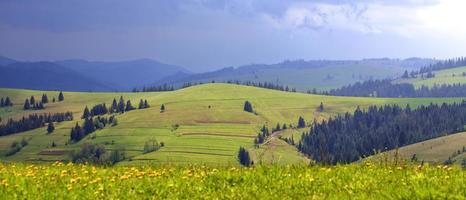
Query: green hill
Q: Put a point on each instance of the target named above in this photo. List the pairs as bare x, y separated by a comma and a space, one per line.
203, 124
446, 76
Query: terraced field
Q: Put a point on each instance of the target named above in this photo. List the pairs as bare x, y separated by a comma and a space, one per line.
204, 124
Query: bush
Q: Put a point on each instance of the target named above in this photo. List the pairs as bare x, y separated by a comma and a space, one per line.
151, 145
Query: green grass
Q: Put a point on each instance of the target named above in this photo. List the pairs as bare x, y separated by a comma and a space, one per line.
205, 136
436, 150
354, 181
447, 76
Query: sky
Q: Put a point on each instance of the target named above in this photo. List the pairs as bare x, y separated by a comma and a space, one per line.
202, 35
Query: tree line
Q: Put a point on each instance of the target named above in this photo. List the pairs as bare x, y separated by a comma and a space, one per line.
5, 102
446, 64
90, 125
33, 121
385, 88
347, 138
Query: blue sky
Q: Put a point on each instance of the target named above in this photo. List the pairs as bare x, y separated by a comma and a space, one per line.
207, 34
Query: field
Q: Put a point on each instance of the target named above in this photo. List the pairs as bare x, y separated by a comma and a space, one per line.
354, 181
447, 76
192, 132
436, 150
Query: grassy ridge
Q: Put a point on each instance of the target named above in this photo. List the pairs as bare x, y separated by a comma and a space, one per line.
446, 76
205, 135
355, 181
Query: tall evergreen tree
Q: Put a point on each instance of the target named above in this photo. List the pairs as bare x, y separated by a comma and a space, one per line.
248, 107
301, 122
8, 102
32, 100
141, 104
27, 105
2, 102
61, 97
114, 107
146, 105
243, 157
121, 105
44, 99
129, 106
321, 107
86, 113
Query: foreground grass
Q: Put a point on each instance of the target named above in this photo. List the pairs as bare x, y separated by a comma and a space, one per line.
355, 181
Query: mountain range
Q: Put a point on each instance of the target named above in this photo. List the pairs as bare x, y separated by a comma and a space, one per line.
83, 75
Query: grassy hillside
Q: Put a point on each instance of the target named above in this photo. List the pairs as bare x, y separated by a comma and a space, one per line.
355, 181
447, 76
203, 135
436, 150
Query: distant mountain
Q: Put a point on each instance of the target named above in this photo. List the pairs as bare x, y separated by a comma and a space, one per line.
303, 75
124, 75
47, 76
6, 61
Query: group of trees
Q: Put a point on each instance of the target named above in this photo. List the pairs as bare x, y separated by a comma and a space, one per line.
97, 154
32, 104
152, 145
385, 88
244, 158
5, 102
33, 121
159, 88
264, 133
346, 138
121, 106
16, 146
90, 125
447, 64
248, 107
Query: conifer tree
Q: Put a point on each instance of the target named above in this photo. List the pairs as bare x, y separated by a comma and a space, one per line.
129, 106
50, 127
27, 105
61, 97
248, 107
121, 105
243, 157
301, 122
53, 100
32, 100
8, 102
162, 108
321, 107
2, 102
141, 104
44, 99
114, 107
146, 105
86, 113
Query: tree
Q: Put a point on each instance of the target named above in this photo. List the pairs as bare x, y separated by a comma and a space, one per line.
27, 105
129, 106
86, 113
50, 127
44, 99
301, 122
2, 102
114, 107
248, 107
53, 100
32, 100
121, 105
162, 108
61, 97
321, 107
146, 105
141, 104
8, 102
243, 157
405, 74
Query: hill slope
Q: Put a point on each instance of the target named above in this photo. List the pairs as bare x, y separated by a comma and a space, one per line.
446, 76
192, 132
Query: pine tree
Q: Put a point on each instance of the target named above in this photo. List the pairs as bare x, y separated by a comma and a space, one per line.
162, 108
321, 107
44, 99
141, 104
114, 107
248, 107
61, 97
32, 100
86, 113
53, 100
2, 102
121, 105
50, 127
129, 106
301, 122
27, 105
8, 102
146, 105
243, 157
405, 74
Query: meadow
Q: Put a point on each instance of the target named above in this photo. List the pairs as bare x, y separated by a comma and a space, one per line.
446, 76
203, 124
354, 181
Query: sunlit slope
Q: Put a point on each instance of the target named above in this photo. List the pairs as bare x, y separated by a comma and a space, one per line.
204, 136
436, 150
447, 76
